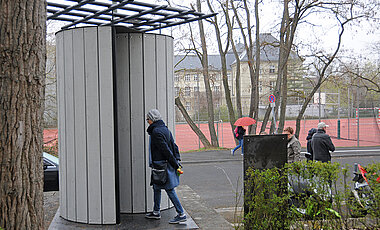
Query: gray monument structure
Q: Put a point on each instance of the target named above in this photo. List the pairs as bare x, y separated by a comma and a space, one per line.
89, 135
265, 151
109, 75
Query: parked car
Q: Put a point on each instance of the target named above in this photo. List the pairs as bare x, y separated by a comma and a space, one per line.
51, 169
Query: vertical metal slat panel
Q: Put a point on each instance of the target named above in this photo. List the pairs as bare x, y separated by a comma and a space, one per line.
137, 123
170, 84
80, 126
161, 91
70, 125
150, 103
61, 124
107, 125
124, 129
93, 135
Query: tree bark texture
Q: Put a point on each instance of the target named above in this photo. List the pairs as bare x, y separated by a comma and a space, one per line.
191, 123
206, 79
22, 79
237, 59
223, 61
257, 63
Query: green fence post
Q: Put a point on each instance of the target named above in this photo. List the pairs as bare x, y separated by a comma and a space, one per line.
338, 129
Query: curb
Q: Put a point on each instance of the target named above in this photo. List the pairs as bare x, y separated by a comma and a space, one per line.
241, 159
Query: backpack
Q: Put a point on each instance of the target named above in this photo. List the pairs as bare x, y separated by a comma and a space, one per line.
236, 132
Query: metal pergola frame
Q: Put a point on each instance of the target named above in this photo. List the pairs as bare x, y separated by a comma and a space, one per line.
134, 15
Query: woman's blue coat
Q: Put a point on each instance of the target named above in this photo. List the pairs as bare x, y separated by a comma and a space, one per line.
162, 148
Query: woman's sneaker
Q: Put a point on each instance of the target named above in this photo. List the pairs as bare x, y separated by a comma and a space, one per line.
178, 219
153, 215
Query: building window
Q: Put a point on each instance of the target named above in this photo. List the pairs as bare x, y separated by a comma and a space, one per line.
196, 78
187, 91
260, 87
176, 78
261, 71
176, 91
187, 77
272, 84
216, 89
272, 69
196, 88
188, 106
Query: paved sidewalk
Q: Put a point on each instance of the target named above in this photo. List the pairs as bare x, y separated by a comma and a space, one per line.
225, 155
218, 169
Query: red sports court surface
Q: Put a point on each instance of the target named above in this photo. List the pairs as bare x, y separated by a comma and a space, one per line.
187, 140
369, 133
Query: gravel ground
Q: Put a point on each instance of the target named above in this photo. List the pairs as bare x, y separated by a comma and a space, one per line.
51, 204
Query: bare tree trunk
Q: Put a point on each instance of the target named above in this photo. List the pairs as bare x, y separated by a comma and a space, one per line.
22, 79
284, 99
192, 125
237, 59
210, 105
252, 71
249, 47
222, 53
267, 114
257, 68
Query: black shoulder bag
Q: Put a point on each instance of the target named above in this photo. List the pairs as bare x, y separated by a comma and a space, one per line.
159, 173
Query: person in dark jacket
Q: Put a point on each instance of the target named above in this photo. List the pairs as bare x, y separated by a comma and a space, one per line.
239, 134
163, 149
308, 154
321, 144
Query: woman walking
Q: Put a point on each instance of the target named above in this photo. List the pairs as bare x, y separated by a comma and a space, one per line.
239, 133
163, 151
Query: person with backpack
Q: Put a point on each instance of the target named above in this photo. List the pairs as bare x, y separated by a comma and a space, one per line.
309, 151
239, 133
164, 160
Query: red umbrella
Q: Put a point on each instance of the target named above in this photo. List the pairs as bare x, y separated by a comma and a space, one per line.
245, 121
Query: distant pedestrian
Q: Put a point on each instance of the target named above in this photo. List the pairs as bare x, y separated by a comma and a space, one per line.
321, 144
239, 134
163, 152
294, 146
309, 153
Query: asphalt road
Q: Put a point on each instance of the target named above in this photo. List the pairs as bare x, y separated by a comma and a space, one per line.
216, 176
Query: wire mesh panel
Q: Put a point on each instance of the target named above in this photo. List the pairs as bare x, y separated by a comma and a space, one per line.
135, 15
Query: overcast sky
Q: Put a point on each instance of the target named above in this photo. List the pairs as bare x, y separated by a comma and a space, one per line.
320, 31
357, 40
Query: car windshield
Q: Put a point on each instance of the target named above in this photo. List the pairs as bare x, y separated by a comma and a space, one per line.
52, 158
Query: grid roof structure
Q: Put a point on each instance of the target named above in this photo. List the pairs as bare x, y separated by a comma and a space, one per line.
134, 15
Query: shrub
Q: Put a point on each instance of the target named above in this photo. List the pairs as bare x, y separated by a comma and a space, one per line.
306, 195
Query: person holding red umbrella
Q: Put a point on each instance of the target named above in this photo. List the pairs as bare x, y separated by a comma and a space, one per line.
239, 133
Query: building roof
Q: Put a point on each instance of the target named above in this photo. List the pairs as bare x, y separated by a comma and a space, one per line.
192, 61
269, 52
269, 49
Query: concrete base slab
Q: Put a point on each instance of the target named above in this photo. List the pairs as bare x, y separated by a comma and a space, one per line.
128, 221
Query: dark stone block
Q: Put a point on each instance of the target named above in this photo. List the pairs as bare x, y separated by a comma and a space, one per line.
265, 151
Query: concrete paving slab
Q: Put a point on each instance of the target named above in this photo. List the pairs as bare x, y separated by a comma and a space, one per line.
128, 221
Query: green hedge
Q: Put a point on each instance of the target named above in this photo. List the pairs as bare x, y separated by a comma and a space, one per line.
271, 200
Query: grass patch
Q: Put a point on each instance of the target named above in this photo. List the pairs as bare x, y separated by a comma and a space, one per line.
206, 150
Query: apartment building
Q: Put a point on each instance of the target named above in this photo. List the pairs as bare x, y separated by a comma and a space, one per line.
189, 82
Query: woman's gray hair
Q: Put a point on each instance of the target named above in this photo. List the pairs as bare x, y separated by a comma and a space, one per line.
154, 115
